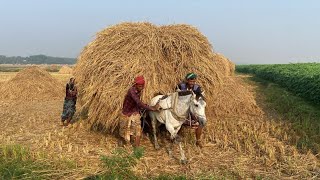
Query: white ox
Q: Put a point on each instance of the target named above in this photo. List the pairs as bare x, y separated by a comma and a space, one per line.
175, 109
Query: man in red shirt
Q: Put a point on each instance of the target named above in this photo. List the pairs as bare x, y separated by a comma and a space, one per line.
130, 124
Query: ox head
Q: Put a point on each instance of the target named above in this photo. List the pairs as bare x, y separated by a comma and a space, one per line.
197, 108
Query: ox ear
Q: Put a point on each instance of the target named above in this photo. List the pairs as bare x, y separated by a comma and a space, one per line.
178, 89
193, 94
203, 93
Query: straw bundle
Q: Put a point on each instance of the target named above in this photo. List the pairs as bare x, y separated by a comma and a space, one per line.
65, 70
226, 67
32, 83
164, 55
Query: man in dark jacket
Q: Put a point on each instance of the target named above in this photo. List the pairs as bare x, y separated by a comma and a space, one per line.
190, 85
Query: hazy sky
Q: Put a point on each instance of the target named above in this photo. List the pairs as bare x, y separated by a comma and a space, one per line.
269, 31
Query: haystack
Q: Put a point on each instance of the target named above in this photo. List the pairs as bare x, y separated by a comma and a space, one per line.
164, 55
65, 70
32, 83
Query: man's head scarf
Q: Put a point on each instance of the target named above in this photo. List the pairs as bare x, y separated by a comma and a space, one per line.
139, 80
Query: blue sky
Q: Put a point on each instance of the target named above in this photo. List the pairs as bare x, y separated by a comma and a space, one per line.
273, 31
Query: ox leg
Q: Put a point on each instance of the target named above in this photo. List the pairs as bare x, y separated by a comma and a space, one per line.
178, 139
172, 132
154, 129
183, 159
170, 148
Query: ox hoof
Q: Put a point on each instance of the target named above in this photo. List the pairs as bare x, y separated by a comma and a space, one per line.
157, 146
183, 161
178, 138
170, 154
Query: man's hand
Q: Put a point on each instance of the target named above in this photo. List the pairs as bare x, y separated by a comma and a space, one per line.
156, 107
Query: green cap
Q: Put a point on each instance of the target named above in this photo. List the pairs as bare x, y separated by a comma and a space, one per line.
191, 76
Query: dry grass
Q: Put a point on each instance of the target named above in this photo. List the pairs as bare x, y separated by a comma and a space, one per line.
6, 76
263, 149
36, 125
62, 78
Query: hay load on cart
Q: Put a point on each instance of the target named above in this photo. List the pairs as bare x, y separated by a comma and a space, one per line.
163, 55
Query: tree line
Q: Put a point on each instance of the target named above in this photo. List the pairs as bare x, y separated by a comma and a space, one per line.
36, 59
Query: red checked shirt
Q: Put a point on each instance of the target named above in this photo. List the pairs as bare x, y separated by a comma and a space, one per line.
71, 93
132, 103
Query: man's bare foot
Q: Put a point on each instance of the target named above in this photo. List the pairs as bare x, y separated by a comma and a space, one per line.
199, 144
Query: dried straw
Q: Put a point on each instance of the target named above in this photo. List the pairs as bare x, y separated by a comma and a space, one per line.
32, 83
245, 146
65, 70
164, 55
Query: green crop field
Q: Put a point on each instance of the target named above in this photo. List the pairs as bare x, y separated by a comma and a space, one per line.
301, 79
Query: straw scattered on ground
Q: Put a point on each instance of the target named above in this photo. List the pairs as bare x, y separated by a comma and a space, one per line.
36, 125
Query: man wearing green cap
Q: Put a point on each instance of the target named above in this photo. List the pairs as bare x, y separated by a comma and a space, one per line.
189, 84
